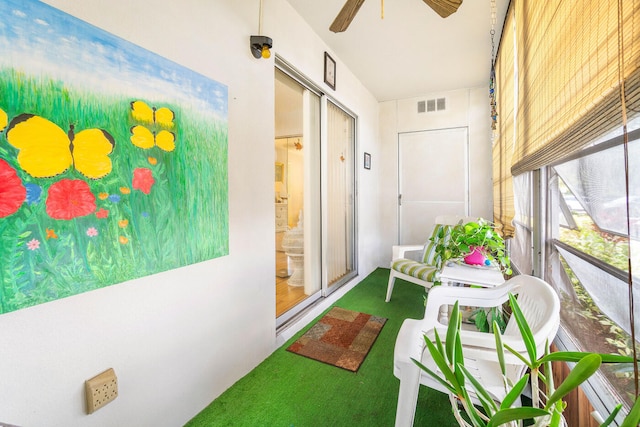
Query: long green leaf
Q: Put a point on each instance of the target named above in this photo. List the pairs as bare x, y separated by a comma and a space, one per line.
556, 415
499, 348
519, 356
548, 368
483, 395
435, 376
444, 367
525, 330
471, 410
452, 331
583, 370
511, 414
439, 345
515, 392
611, 416
633, 418
576, 356
459, 358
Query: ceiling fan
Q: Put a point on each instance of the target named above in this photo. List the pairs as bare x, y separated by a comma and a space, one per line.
443, 8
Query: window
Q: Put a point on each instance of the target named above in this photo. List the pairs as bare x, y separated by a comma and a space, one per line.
588, 252
567, 74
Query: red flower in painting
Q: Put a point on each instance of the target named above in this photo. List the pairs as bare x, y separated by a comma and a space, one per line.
143, 180
12, 192
102, 213
70, 198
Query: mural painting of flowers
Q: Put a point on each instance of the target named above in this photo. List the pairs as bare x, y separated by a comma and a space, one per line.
89, 165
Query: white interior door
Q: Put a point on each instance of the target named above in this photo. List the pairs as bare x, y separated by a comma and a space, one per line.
433, 180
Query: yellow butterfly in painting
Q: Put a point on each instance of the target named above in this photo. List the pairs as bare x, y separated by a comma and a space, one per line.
143, 113
46, 150
143, 138
3, 119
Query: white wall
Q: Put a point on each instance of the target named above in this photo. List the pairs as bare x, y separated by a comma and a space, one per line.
178, 339
465, 108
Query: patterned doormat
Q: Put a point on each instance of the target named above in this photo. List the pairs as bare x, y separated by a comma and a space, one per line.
340, 338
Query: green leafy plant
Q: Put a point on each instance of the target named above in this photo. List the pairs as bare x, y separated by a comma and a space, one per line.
546, 408
464, 237
459, 242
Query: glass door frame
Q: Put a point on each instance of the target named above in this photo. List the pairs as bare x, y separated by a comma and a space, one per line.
315, 179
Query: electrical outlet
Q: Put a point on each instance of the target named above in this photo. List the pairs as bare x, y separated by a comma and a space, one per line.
100, 390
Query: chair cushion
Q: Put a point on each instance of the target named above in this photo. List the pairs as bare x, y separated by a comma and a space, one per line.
441, 234
415, 269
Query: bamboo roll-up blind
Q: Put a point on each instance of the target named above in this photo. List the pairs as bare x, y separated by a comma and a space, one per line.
503, 210
568, 74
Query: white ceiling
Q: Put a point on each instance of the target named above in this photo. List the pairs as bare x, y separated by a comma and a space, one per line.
412, 51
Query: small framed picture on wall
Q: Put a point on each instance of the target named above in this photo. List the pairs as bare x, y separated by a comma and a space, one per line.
367, 161
329, 71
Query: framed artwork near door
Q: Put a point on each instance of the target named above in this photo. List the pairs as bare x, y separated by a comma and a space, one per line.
329, 71
367, 161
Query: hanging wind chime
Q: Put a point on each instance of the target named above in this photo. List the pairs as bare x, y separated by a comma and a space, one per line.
492, 77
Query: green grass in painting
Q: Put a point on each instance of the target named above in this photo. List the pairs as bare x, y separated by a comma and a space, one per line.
182, 221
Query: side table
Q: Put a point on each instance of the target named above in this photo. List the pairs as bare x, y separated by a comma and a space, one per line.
456, 273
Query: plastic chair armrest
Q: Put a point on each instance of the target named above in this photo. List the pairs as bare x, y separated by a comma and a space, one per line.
399, 251
476, 297
481, 345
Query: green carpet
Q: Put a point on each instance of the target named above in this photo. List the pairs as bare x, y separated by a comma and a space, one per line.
288, 390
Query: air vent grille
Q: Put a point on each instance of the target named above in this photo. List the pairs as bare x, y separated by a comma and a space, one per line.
432, 105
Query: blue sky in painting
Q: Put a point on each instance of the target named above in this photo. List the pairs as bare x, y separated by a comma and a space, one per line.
35, 36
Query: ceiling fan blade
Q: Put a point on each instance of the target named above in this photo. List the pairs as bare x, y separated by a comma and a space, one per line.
346, 15
444, 8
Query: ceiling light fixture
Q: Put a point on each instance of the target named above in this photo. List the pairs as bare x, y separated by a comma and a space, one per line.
260, 44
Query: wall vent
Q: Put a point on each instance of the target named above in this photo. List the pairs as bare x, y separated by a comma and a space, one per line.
432, 105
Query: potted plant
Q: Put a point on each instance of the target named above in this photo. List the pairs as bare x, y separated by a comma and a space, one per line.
545, 412
461, 241
465, 239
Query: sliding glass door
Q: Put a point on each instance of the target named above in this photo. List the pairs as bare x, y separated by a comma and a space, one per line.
315, 197
297, 196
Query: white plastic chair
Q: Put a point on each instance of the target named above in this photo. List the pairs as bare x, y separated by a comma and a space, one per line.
420, 267
540, 305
